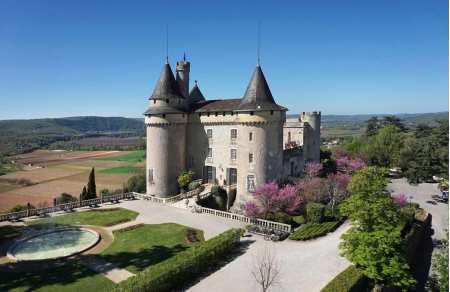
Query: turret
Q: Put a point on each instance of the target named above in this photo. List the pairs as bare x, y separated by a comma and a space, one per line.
165, 122
311, 138
183, 68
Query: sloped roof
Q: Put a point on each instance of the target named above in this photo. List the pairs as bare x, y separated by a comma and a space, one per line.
166, 87
216, 105
258, 95
196, 95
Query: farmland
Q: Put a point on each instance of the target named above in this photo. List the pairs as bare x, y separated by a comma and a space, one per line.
45, 174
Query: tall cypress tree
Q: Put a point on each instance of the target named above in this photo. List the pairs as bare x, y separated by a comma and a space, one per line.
91, 188
83, 195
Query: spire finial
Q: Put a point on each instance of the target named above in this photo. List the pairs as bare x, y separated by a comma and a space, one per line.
184, 56
195, 81
259, 43
167, 43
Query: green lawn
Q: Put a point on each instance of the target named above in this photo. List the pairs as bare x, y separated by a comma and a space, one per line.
138, 248
72, 276
100, 217
135, 156
123, 169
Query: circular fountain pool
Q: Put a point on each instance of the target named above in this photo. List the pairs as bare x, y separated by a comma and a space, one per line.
54, 244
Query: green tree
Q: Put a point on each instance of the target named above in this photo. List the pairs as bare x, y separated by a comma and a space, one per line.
137, 184
373, 125
84, 194
65, 198
184, 179
369, 205
383, 149
379, 253
422, 130
439, 278
91, 187
394, 121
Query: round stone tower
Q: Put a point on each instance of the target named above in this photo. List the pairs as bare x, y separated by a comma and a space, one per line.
311, 135
165, 121
261, 119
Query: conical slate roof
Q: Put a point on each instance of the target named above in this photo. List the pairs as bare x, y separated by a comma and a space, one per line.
258, 95
166, 87
196, 95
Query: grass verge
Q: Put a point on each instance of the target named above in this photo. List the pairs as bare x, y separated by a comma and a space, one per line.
100, 217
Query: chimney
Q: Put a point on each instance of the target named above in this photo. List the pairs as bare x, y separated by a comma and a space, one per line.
183, 68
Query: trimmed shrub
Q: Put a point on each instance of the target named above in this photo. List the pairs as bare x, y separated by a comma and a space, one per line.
65, 198
185, 266
315, 212
314, 230
351, 279
184, 179
332, 215
299, 220
231, 198
280, 217
193, 185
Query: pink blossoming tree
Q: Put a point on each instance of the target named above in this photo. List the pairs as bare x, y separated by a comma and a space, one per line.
312, 169
349, 165
270, 199
400, 199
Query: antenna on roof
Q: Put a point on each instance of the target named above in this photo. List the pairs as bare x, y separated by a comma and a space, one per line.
167, 43
259, 42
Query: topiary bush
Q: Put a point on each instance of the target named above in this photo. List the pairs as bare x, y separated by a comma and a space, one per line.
299, 220
193, 185
315, 212
279, 217
186, 266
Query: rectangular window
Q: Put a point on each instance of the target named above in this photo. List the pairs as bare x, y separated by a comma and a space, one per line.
209, 152
150, 176
233, 154
251, 183
209, 133
250, 157
233, 134
250, 136
232, 176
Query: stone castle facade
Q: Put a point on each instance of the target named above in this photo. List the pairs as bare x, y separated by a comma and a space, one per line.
236, 143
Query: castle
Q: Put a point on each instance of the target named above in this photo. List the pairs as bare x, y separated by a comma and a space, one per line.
236, 143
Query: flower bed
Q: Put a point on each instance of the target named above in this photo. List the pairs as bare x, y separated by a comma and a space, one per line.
314, 230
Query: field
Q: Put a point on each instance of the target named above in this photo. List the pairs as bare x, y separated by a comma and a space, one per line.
46, 174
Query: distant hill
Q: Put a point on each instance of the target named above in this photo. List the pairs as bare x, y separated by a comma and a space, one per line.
18, 136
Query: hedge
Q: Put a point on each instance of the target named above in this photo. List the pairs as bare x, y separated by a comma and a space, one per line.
351, 279
315, 212
184, 267
314, 230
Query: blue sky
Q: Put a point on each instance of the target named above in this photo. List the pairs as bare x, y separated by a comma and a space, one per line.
70, 58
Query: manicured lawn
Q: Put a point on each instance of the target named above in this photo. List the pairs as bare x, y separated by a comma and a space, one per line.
72, 276
134, 156
100, 217
314, 230
145, 245
123, 169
